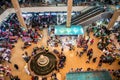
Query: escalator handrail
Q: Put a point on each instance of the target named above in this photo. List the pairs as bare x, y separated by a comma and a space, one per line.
87, 14
95, 13
82, 14
90, 16
87, 11
83, 11
90, 19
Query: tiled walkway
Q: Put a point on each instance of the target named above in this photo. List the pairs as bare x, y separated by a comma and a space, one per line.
72, 61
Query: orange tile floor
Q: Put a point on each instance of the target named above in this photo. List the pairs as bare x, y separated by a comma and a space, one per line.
72, 61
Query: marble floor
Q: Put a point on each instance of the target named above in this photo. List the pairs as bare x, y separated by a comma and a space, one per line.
72, 61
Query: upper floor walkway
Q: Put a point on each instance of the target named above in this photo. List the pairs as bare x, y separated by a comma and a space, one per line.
42, 9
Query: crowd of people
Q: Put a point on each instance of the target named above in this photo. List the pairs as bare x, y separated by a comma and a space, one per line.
105, 44
82, 70
11, 31
36, 50
5, 4
61, 57
116, 73
42, 21
4, 71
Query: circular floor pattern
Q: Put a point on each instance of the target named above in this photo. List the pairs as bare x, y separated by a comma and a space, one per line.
43, 63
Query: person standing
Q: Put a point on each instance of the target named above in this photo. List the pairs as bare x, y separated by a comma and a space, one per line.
94, 59
46, 49
77, 53
91, 41
88, 31
16, 66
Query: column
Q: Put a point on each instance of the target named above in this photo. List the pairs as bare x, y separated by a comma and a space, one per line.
18, 12
113, 19
69, 10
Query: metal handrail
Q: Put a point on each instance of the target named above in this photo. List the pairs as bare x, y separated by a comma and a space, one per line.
87, 17
86, 14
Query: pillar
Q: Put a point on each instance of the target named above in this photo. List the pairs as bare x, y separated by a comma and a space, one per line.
18, 12
114, 18
69, 10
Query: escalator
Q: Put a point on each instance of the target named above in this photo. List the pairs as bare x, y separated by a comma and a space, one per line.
82, 13
86, 15
103, 15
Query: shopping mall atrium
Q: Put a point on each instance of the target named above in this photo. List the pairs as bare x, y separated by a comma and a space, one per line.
59, 40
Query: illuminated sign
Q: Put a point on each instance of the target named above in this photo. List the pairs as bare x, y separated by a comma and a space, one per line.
73, 30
